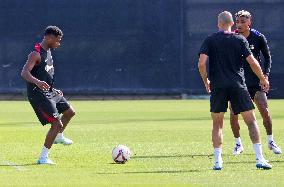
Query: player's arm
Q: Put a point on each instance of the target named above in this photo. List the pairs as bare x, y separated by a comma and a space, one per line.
267, 57
254, 64
33, 59
203, 56
203, 72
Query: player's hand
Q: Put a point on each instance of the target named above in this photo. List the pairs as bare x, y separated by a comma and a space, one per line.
43, 85
265, 85
266, 77
58, 91
207, 86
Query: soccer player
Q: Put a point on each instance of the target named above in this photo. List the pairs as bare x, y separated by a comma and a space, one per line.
226, 83
47, 102
257, 43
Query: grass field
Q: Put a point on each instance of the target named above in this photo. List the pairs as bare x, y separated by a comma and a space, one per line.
171, 142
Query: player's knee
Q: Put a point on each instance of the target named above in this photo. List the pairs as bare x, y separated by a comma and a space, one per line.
234, 119
265, 111
217, 127
70, 112
248, 116
56, 125
249, 119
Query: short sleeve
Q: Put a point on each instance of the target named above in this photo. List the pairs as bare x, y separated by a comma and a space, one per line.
204, 49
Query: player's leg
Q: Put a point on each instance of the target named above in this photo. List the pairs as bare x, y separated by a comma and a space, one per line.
66, 117
260, 100
47, 113
218, 105
67, 113
241, 103
56, 126
235, 126
217, 138
250, 120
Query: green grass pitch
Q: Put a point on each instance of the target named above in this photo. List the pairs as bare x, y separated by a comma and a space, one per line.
170, 140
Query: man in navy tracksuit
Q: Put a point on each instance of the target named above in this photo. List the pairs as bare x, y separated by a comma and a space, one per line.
257, 44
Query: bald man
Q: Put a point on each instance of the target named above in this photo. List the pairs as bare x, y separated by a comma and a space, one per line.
226, 83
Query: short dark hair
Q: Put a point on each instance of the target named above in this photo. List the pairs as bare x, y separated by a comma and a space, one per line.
53, 30
243, 13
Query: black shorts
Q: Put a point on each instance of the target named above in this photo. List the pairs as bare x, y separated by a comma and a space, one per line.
239, 98
47, 105
252, 91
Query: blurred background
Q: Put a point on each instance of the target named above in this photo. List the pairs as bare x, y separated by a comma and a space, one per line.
128, 47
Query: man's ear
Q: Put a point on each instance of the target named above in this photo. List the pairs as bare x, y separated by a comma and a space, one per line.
47, 38
250, 23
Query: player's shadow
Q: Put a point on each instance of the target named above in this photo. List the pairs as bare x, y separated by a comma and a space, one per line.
151, 172
17, 165
19, 123
276, 161
172, 156
165, 171
181, 156
147, 120
253, 162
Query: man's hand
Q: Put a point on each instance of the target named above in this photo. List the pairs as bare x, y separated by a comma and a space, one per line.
265, 85
202, 70
207, 86
58, 91
43, 85
254, 64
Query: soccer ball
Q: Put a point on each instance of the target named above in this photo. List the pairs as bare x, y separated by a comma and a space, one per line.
121, 154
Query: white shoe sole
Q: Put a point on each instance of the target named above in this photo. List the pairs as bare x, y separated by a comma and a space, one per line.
45, 163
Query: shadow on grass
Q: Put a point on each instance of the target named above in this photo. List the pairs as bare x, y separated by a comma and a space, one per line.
186, 155
19, 123
241, 162
172, 156
106, 122
276, 161
150, 172
18, 165
253, 162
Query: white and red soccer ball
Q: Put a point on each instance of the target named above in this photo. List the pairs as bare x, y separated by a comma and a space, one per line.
121, 154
